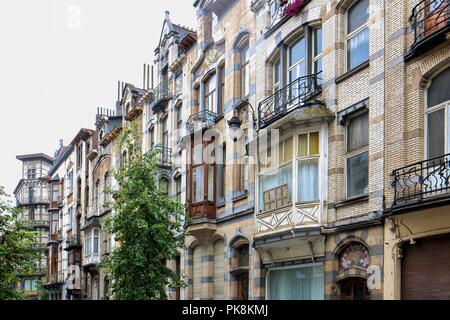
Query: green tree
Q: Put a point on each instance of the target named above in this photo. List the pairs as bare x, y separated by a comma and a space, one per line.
146, 227
16, 253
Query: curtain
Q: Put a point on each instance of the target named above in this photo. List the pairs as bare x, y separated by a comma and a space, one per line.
302, 283
308, 177
358, 132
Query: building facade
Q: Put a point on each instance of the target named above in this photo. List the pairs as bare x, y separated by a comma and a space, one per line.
31, 195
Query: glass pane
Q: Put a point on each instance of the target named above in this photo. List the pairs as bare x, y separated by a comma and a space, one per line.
358, 15
318, 66
303, 145
275, 189
198, 183
287, 155
210, 183
276, 72
314, 143
358, 49
297, 52
358, 132
317, 41
297, 284
308, 180
243, 256
27, 286
357, 174
436, 134
439, 90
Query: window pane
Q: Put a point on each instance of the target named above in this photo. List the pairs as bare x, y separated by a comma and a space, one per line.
358, 49
297, 284
439, 90
303, 145
358, 15
34, 285
275, 189
211, 183
314, 143
317, 41
358, 132
243, 256
297, 52
308, 176
276, 72
285, 150
27, 286
198, 184
357, 174
436, 134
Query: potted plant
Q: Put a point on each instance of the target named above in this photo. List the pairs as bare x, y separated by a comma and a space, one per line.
294, 8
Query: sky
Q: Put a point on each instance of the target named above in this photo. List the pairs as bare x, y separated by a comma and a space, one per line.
60, 60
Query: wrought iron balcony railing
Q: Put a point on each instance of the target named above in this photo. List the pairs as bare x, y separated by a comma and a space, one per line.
161, 93
72, 242
201, 120
55, 278
164, 155
422, 181
428, 18
277, 11
299, 93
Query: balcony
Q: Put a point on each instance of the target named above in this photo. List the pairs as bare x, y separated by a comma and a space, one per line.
299, 94
91, 259
55, 238
422, 182
201, 120
73, 242
31, 202
430, 22
162, 94
37, 223
135, 111
281, 10
163, 155
56, 278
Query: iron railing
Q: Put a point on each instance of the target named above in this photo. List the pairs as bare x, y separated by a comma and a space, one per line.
277, 11
55, 278
164, 155
428, 17
72, 241
161, 92
422, 181
201, 120
299, 93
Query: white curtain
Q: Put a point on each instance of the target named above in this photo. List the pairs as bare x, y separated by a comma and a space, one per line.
308, 177
302, 283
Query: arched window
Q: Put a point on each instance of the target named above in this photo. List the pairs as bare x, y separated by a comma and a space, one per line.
164, 185
210, 94
244, 53
178, 187
357, 41
438, 115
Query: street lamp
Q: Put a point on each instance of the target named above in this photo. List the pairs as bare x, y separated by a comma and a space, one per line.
235, 123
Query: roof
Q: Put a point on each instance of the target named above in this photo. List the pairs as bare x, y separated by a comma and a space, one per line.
35, 156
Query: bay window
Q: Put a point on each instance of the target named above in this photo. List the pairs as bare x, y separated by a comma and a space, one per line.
275, 188
198, 183
438, 116
357, 41
55, 223
357, 163
92, 243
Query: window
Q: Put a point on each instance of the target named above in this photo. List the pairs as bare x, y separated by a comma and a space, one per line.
178, 188
164, 185
245, 70
357, 34
92, 243
31, 174
70, 182
196, 99
97, 197
96, 234
296, 63
106, 186
79, 156
55, 193
30, 194
438, 116
275, 188
357, 164
210, 93
242, 279
242, 256
308, 167
317, 50
223, 173
69, 217
305, 282
179, 119
31, 216
151, 133
179, 84
165, 132
244, 164
222, 90
55, 223
198, 183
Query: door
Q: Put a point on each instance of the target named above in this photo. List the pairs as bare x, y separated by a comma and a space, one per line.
425, 269
243, 287
354, 289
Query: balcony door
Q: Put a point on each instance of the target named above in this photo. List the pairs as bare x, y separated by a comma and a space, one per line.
296, 70
436, 15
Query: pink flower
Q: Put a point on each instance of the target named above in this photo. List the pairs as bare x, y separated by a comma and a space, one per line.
294, 8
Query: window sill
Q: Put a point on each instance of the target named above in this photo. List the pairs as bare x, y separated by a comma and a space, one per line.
352, 72
352, 201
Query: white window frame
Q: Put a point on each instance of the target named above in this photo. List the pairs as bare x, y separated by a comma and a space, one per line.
210, 95
317, 157
316, 57
352, 153
349, 36
297, 65
244, 66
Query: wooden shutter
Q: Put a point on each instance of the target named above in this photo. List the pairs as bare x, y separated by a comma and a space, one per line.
197, 273
219, 282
